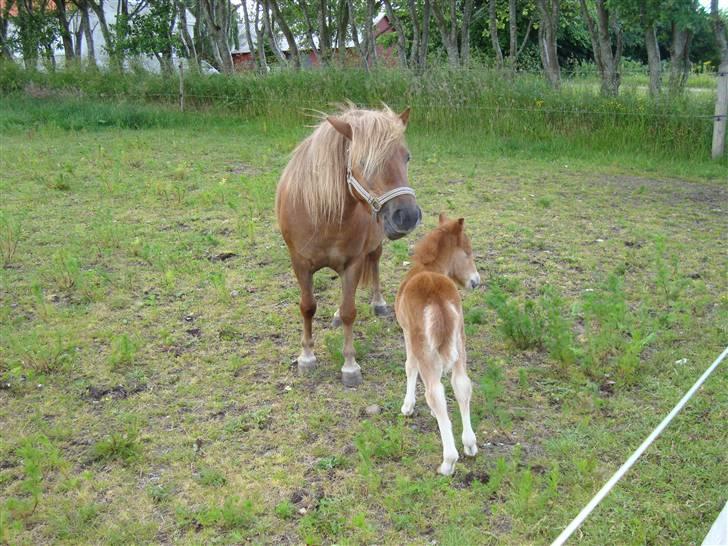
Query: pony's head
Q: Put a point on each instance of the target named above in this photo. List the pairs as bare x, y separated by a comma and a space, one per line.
378, 158
447, 249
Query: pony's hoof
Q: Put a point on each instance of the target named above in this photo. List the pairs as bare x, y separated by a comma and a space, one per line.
351, 378
336, 321
470, 450
382, 310
306, 363
408, 409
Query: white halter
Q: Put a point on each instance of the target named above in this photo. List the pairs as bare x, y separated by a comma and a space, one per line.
376, 203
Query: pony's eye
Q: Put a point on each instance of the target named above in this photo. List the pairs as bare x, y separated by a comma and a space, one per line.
408, 157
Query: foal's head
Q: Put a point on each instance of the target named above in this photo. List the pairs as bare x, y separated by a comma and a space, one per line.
378, 157
447, 250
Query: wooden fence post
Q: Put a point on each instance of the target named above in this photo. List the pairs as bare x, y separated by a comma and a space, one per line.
181, 89
721, 112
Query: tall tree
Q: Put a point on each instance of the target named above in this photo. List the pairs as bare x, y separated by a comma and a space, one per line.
548, 29
286, 29
400, 30
683, 19
605, 28
64, 29
458, 53
5, 10
493, 29
217, 19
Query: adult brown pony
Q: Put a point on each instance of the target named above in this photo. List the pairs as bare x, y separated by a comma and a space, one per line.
344, 190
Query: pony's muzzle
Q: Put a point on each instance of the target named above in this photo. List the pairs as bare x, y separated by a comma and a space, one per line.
474, 281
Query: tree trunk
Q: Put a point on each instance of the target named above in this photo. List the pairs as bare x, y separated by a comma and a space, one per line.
292, 47
324, 36
414, 57
547, 33
4, 24
493, 29
607, 60
653, 60
310, 31
343, 20
65, 31
449, 35
88, 35
248, 35
187, 40
217, 18
271, 36
260, 41
399, 29
369, 44
355, 34
512, 34
116, 58
465, 32
679, 58
425, 40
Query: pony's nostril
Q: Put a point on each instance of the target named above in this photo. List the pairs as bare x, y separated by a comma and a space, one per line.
399, 217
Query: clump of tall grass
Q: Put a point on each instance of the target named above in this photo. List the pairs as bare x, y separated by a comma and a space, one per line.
518, 110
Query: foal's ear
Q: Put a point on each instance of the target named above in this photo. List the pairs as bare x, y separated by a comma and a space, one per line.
461, 223
341, 126
404, 116
443, 218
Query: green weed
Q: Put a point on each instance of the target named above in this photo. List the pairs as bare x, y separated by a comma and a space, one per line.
211, 477
123, 350
522, 325
10, 230
235, 513
118, 446
285, 509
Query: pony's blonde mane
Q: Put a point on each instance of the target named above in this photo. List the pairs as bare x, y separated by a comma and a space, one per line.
315, 177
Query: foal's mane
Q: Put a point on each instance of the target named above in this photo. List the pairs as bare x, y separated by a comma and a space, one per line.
315, 176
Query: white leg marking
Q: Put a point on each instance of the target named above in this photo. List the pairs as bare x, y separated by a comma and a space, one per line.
435, 395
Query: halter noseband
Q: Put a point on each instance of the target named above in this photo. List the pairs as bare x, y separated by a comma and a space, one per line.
376, 203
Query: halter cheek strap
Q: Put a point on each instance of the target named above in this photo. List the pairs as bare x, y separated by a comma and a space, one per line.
376, 203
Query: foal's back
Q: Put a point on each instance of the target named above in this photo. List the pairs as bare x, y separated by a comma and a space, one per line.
429, 310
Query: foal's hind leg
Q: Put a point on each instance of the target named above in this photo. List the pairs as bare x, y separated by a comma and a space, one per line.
435, 395
462, 386
306, 360
381, 309
408, 406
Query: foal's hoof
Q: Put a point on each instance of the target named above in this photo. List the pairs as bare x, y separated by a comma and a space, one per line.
306, 363
336, 321
351, 379
447, 469
470, 450
382, 310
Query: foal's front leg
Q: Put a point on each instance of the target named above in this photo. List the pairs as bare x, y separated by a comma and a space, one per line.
350, 372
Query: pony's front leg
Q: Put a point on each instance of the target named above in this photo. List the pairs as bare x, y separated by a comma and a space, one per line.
306, 360
350, 372
381, 309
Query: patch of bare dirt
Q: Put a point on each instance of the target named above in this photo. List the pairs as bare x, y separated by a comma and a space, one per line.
674, 191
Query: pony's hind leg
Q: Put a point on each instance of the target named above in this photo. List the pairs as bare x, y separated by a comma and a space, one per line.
350, 372
306, 360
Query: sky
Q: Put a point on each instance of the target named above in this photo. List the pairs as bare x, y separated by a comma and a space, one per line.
722, 4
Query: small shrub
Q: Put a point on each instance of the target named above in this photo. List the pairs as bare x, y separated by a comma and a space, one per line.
491, 384
211, 477
66, 270
9, 238
285, 509
123, 349
235, 513
558, 336
522, 325
118, 446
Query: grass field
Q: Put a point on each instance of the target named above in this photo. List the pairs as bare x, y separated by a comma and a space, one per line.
149, 322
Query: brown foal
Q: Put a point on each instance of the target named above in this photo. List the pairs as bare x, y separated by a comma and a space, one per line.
343, 191
429, 311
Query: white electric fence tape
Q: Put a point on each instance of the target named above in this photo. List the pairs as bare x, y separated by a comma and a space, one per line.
578, 520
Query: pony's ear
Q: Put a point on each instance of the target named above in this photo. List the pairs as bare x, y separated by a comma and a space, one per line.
404, 116
460, 224
341, 126
443, 218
